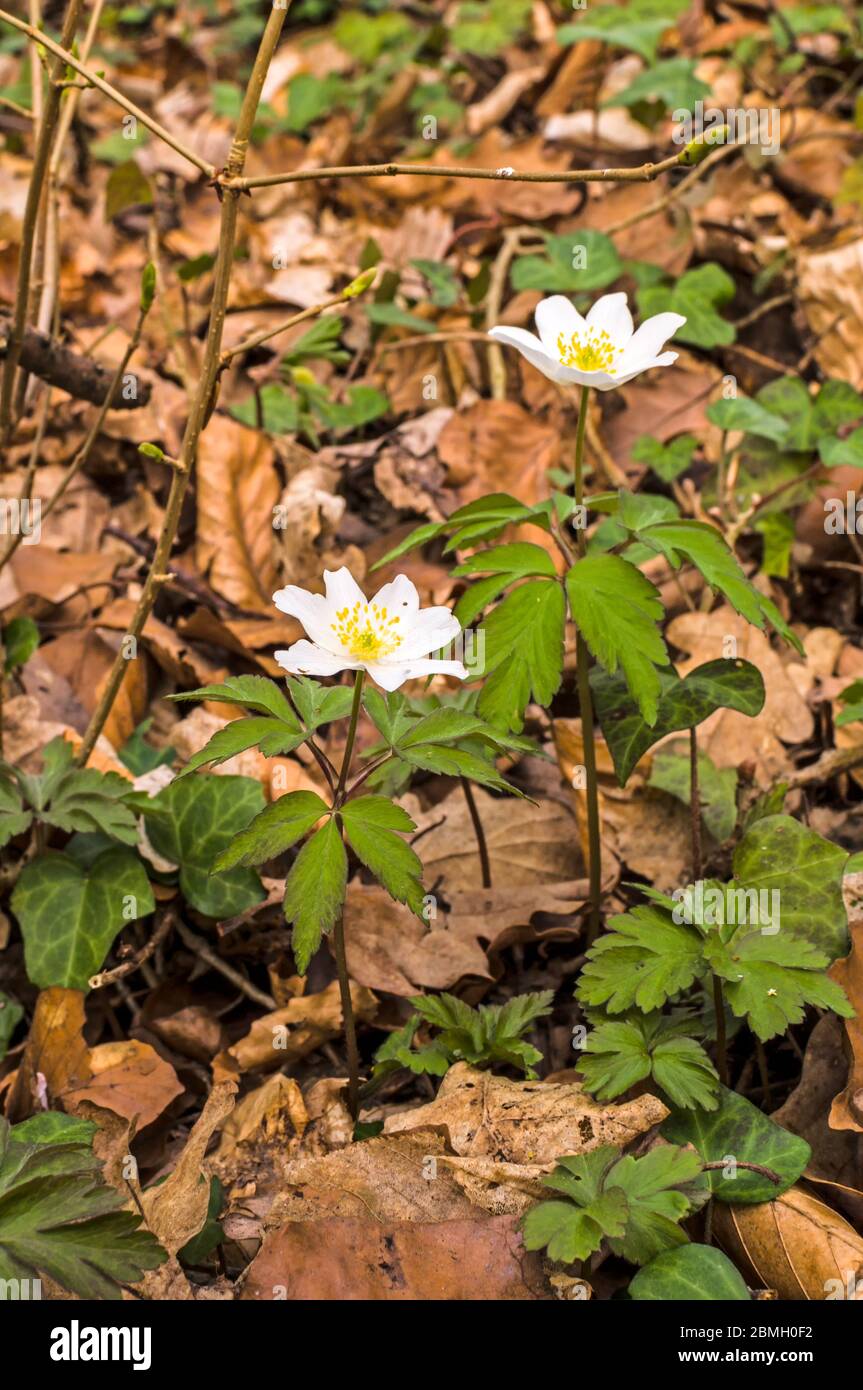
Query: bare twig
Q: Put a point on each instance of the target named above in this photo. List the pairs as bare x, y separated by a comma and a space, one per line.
128, 967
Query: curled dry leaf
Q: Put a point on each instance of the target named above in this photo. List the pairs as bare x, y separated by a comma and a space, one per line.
269, 1115
288, 1034
56, 1058
795, 1245
177, 1209
129, 1078
524, 1122
847, 1109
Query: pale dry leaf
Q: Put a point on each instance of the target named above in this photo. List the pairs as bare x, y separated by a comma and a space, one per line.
176, 1209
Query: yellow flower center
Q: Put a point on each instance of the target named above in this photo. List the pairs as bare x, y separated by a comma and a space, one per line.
366, 632
594, 353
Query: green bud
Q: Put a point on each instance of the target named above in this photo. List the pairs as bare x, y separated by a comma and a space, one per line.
148, 287
360, 284
699, 148
151, 451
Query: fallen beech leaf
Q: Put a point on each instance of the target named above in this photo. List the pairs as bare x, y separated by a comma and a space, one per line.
346, 1259
290, 1033
238, 487
524, 1121
389, 948
268, 1115
846, 1111
177, 1208
56, 1052
131, 1079
497, 446
795, 1245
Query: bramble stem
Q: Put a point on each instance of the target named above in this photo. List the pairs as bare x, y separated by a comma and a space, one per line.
585, 701
478, 830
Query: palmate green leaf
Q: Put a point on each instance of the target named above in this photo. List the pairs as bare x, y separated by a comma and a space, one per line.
374, 826
275, 730
503, 565
59, 1218
249, 692
717, 787
769, 979
523, 652
278, 827
668, 460
737, 1130
683, 704
581, 261
69, 916
810, 419
778, 853
397, 1052
699, 295
568, 1232
487, 1034
618, 1054
691, 1273
14, 817
315, 891
671, 81
319, 704
655, 1202
644, 959
617, 610
191, 822
707, 550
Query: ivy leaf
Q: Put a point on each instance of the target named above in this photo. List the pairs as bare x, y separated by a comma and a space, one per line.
707, 550
691, 1273
645, 958
191, 822
683, 704
669, 460
743, 413
698, 295
278, 827
11, 1014
620, 1053
315, 891
617, 610
69, 915
503, 565
374, 826
671, 773
59, 1218
523, 652
778, 853
737, 1130
769, 979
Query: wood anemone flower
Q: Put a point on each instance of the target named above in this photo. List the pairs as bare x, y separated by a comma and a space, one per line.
603, 350
389, 636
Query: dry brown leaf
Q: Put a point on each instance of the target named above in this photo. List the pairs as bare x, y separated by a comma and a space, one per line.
829, 288
237, 488
269, 1115
56, 1058
389, 948
837, 1154
525, 1122
176, 1209
288, 1034
129, 1078
795, 1245
497, 446
847, 1109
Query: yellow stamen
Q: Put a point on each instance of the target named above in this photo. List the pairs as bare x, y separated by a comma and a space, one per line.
366, 631
593, 353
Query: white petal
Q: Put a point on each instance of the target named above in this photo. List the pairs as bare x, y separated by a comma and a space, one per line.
600, 380
530, 347
314, 612
343, 591
648, 339
611, 315
307, 659
556, 316
634, 369
429, 631
399, 597
390, 675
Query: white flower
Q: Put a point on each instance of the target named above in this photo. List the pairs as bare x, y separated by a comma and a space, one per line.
389, 636
601, 350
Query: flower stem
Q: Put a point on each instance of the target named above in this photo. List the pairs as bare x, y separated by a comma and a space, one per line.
695, 806
352, 733
478, 830
585, 701
339, 929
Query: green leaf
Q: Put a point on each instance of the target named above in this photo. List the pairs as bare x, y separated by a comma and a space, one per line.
280, 414
487, 1034
504, 564
397, 1053
139, 756
618, 1054
669, 460
271, 736
617, 611
11, 1014
672, 81
476, 521
738, 1132
14, 818
127, 187
645, 958
278, 827
655, 1203
743, 413
55, 1127
810, 419
90, 801
249, 692
315, 891
443, 281
778, 853
59, 1218
777, 530
707, 550
191, 822
21, 640
374, 826
689, 1274
70, 916
583, 260
769, 979
523, 652
634, 27
698, 295
846, 452
717, 787
319, 704
683, 704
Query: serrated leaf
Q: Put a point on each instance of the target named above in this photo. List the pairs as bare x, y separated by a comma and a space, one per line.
487, 1034
619, 1054
691, 1273
59, 1218
487, 516
779, 853
274, 830
90, 801
14, 817
319, 704
249, 692
735, 1132
644, 959
315, 891
192, 821
570, 1233
697, 295
504, 565
374, 826
769, 979
523, 652
668, 460
69, 916
683, 704
617, 610
654, 1200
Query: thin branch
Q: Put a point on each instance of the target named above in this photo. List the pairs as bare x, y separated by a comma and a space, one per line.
128, 967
